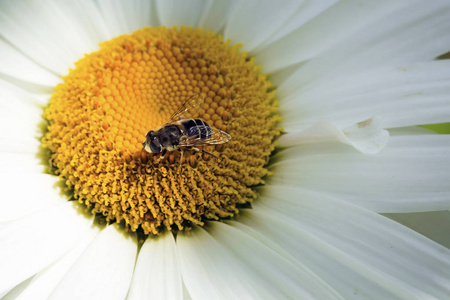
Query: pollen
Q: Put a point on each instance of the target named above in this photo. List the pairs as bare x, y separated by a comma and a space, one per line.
99, 116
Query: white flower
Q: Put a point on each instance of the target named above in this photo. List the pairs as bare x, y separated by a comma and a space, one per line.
344, 71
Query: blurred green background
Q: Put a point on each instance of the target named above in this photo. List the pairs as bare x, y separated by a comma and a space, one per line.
443, 128
434, 225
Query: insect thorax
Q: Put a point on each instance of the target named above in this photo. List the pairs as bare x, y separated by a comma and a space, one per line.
169, 136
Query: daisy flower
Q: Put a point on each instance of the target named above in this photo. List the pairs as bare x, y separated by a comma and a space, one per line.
321, 100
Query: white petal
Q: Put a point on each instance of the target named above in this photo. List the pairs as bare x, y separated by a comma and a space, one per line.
324, 32
226, 263
19, 68
186, 13
306, 11
402, 95
103, 271
20, 117
54, 34
17, 290
87, 23
157, 274
124, 17
43, 283
26, 163
207, 269
31, 243
409, 175
405, 259
20, 103
416, 34
24, 193
218, 14
345, 275
18, 144
435, 225
186, 295
253, 22
367, 136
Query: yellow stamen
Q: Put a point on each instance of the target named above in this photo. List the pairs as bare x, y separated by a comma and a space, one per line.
98, 119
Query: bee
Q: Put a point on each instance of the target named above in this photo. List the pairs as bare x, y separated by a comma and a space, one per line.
184, 133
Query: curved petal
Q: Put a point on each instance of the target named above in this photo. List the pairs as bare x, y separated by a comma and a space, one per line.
225, 262
261, 19
218, 14
306, 11
17, 201
38, 239
403, 261
402, 95
186, 13
409, 175
207, 269
44, 282
416, 34
18, 144
124, 17
347, 276
186, 295
322, 33
55, 34
103, 271
14, 293
18, 68
20, 117
435, 225
25, 162
157, 274
367, 136
20, 103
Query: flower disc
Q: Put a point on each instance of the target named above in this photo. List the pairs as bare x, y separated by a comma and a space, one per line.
98, 119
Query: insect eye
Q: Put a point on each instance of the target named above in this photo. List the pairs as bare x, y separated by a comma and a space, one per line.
150, 134
155, 146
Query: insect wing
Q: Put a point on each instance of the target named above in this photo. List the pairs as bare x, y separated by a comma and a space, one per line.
217, 137
189, 110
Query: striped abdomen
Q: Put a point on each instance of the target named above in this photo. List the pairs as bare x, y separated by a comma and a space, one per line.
196, 128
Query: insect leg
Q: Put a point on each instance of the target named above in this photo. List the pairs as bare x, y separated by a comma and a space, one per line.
181, 159
160, 158
203, 151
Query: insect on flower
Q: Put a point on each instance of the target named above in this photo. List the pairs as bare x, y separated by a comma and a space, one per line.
183, 133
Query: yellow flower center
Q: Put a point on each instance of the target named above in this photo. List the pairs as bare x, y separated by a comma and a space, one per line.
99, 117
